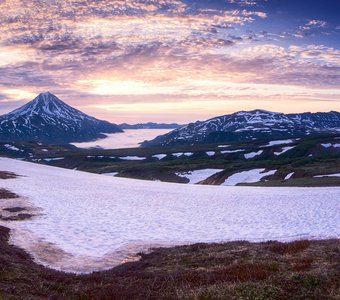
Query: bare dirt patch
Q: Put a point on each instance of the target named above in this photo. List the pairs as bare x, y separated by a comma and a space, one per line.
7, 175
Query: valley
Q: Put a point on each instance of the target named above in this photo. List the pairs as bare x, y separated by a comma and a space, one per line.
308, 161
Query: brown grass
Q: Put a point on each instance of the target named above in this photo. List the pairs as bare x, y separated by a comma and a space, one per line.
290, 248
236, 270
5, 194
301, 264
239, 272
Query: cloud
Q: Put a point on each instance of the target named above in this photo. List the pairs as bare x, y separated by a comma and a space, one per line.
313, 27
134, 51
244, 2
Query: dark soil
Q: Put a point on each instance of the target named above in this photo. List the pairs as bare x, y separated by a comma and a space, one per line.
235, 270
18, 217
7, 175
14, 209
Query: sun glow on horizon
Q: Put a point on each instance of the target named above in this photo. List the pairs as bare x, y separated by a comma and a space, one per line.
170, 56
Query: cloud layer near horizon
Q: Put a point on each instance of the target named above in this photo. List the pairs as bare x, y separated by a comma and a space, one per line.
167, 60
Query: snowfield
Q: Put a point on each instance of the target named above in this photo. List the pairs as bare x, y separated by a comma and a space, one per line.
92, 222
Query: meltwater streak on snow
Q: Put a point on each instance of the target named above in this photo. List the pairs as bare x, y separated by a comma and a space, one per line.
90, 217
130, 138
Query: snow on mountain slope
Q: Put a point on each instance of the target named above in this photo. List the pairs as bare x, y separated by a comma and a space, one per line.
250, 125
48, 119
89, 220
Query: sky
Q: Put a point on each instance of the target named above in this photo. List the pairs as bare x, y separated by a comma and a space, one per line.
171, 60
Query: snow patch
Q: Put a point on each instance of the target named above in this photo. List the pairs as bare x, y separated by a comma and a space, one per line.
159, 156
279, 142
132, 158
283, 150
53, 159
329, 145
250, 176
13, 148
288, 176
188, 154
198, 175
253, 154
329, 175
232, 151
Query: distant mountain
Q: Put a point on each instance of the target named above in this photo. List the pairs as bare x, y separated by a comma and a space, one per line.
250, 125
150, 125
50, 120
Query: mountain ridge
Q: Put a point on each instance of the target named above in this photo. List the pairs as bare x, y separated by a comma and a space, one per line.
48, 119
250, 125
150, 125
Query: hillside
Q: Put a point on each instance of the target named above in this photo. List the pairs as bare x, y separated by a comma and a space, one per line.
310, 161
249, 126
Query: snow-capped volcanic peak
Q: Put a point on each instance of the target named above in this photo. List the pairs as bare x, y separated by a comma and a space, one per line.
47, 104
46, 118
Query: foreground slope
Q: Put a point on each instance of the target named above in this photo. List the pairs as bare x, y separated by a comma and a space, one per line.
86, 220
48, 119
235, 270
249, 126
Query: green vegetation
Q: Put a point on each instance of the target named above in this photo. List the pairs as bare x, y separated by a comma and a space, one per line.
307, 159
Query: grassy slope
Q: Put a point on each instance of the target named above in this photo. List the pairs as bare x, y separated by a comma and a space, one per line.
297, 160
235, 270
